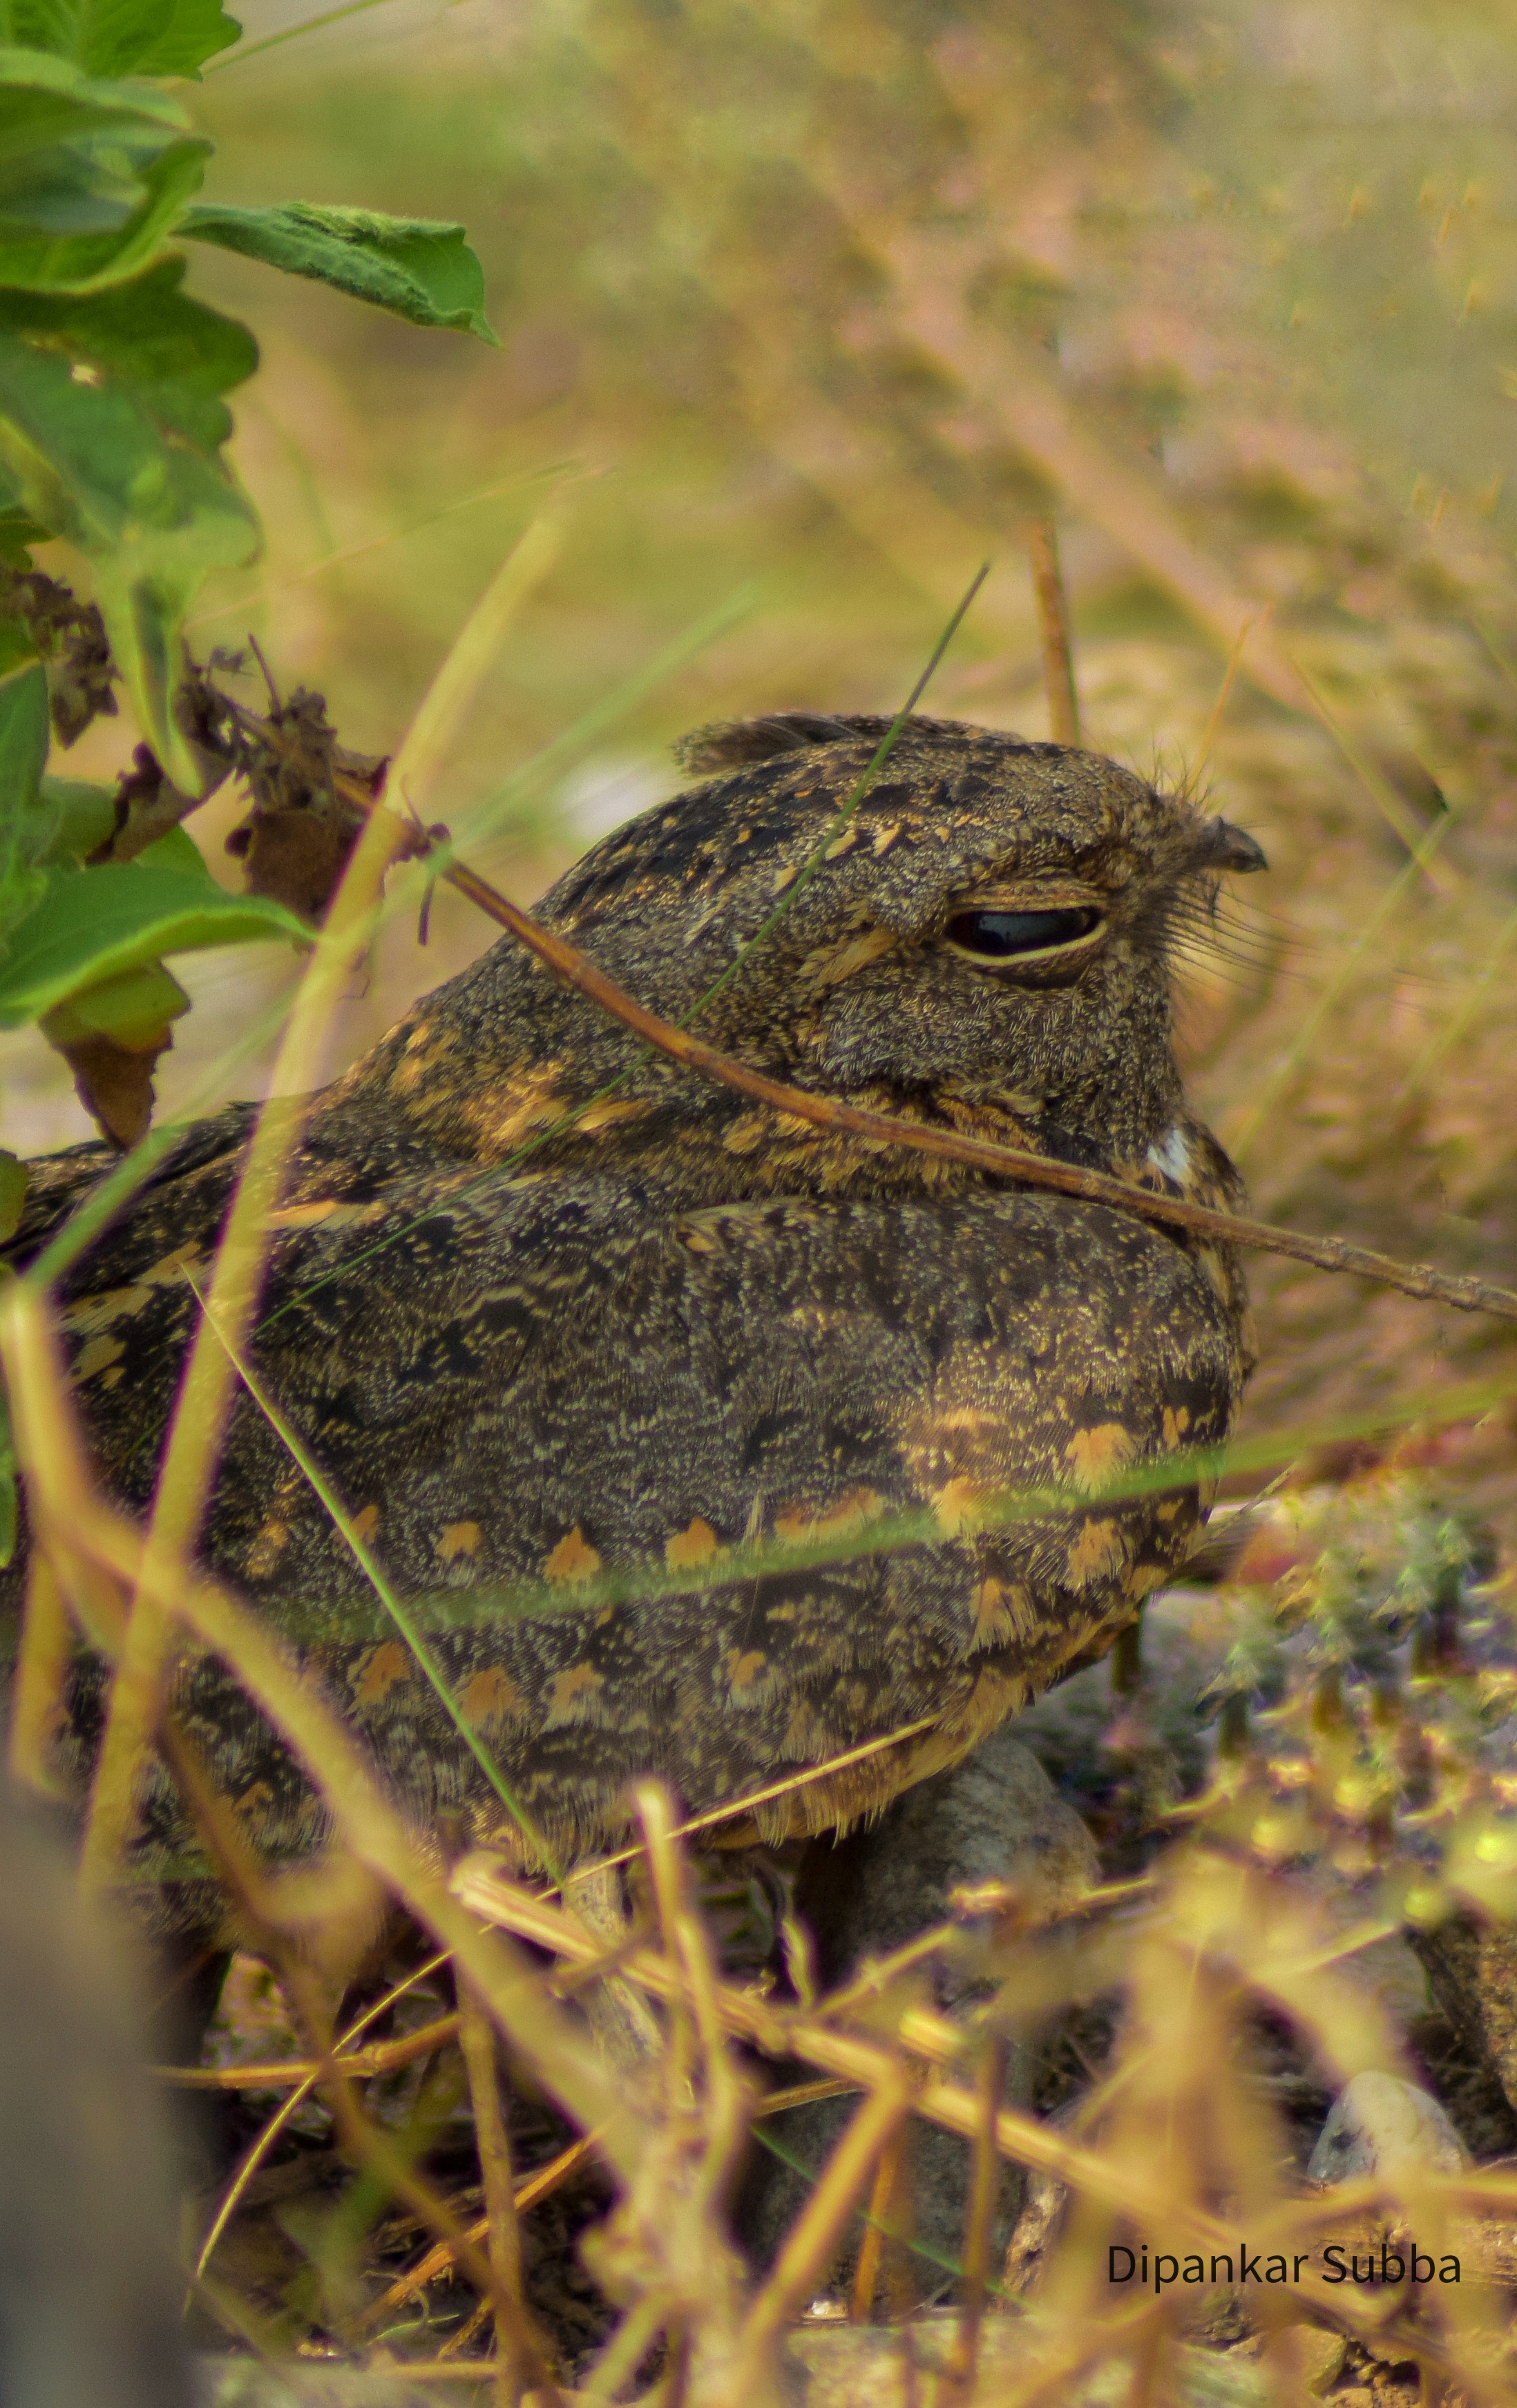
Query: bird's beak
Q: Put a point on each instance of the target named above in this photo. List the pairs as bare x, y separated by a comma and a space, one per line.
1229, 848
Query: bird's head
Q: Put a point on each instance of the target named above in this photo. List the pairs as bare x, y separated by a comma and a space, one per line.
994, 924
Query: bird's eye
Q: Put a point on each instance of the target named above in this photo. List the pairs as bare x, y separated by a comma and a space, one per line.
1007, 935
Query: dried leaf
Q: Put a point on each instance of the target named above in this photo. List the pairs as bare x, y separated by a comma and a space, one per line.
111, 1036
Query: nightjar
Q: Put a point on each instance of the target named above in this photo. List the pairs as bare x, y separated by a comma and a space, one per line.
684, 1431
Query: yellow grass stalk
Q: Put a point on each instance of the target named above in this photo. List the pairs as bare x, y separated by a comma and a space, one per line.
521, 2358
195, 1438
814, 2236
69, 1514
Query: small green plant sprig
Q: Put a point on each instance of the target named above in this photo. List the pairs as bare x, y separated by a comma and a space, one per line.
113, 426
113, 423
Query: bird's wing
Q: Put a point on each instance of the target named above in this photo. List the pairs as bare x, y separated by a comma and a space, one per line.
558, 1412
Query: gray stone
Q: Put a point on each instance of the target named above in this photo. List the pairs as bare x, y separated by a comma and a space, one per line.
995, 1818
1379, 2123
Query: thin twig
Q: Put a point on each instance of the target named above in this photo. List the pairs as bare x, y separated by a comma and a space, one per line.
290, 2073
1466, 1293
812, 2238
253, 2156
521, 2357
828, 1113
984, 2187
439, 2259
369, 1565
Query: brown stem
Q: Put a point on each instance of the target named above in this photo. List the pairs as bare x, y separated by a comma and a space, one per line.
1053, 623
519, 2356
1465, 1293
387, 2057
442, 2256
984, 2189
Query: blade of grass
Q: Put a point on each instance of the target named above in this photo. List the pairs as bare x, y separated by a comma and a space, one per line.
70, 1514
979, 2216
816, 859
1395, 812
521, 2352
368, 1564
1054, 624
816, 2232
37, 1711
1225, 692
194, 1435
469, 659
104, 1200
1445, 1038
190, 1457
350, 552
292, 34
517, 922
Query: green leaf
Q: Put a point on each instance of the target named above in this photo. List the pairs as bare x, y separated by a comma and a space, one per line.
85, 816
177, 849
97, 924
193, 32
12, 1194
17, 533
26, 824
47, 824
93, 175
134, 1007
112, 423
16, 646
118, 37
420, 268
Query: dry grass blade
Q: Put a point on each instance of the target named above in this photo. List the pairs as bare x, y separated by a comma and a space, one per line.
70, 1519
37, 1711
282, 2073
520, 2356
448, 699
440, 2257
1445, 1038
193, 1443
254, 2156
887, 2182
1244, 1129
1054, 624
1128, 2185
1396, 813
980, 2213
369, 1565
814, 2236
1225, 693
204, 1392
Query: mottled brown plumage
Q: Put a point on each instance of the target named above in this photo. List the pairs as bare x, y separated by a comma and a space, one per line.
683, 1326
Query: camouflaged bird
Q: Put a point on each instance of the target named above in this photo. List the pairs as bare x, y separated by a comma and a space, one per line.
683, 1326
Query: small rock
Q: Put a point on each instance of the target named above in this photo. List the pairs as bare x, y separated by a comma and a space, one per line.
1378, 2123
